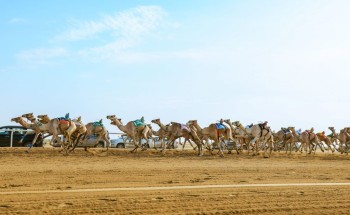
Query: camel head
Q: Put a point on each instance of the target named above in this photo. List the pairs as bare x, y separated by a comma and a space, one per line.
16, 119
42, 116
331, 128
228, 121
28, 115
156, 121
111, 117
32, 118
237, 123
291, 128
192, 122
115, 120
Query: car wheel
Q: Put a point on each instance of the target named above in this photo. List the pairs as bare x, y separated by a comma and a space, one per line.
120, 145
99, 145
26, 144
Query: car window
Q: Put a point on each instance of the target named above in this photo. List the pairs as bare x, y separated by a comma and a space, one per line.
3, 132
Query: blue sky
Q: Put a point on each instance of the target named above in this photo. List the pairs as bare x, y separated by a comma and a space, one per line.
286, 62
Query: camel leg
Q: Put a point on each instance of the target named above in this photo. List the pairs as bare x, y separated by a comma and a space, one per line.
171, 141
200, 148
107, 141
252, 143
33, 142
76, 142
268, 147
194, 147
136, 145
207, 145
184, 144
219, 146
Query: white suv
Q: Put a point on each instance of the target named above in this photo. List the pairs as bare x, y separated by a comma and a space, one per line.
123, 142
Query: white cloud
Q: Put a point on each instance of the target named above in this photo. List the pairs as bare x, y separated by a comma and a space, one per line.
42, 55
131, 23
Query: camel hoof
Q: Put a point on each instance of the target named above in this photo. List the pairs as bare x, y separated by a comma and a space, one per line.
229, 152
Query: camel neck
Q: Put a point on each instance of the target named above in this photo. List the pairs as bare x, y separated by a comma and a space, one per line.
119, 125
24, 123
198, 127
162, 126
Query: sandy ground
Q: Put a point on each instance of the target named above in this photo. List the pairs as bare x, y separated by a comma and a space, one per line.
50, 174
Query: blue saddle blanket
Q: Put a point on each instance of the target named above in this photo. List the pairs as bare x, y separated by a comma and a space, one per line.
220, 126
98, 124
138, 123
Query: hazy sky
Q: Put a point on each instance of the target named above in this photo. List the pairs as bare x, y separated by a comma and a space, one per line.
286, 62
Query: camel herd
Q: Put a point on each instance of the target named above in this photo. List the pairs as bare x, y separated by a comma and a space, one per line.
214, 137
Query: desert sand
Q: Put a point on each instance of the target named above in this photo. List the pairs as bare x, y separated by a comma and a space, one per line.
47, 182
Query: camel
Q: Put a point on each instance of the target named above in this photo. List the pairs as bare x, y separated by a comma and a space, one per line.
166, 130
36, 126
323, 138
22, 122
177, 130
284, 137
309, 140
161, 134
213, 133
239, 135
67, 128
94, 128
164, 133
297, 138
48, 127
78, 133
259, 132
342, 137
135, 133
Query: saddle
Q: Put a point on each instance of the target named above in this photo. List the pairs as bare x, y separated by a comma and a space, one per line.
322, 134
185, 127
249, 126
139, 123
310, 132
98, 124
263, 126
299, 132
220, 126
285, 130
65, 122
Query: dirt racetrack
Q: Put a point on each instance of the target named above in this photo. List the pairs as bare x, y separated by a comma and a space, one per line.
46, 182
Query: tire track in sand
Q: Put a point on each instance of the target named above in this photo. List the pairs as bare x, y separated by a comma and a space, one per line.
173, 188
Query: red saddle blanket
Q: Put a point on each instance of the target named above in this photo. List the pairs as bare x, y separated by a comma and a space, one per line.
64, 121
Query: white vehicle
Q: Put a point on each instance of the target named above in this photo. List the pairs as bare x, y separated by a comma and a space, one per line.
90, 141
123, 142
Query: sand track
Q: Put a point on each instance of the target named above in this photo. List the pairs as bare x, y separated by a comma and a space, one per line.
177, 188
119, 182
